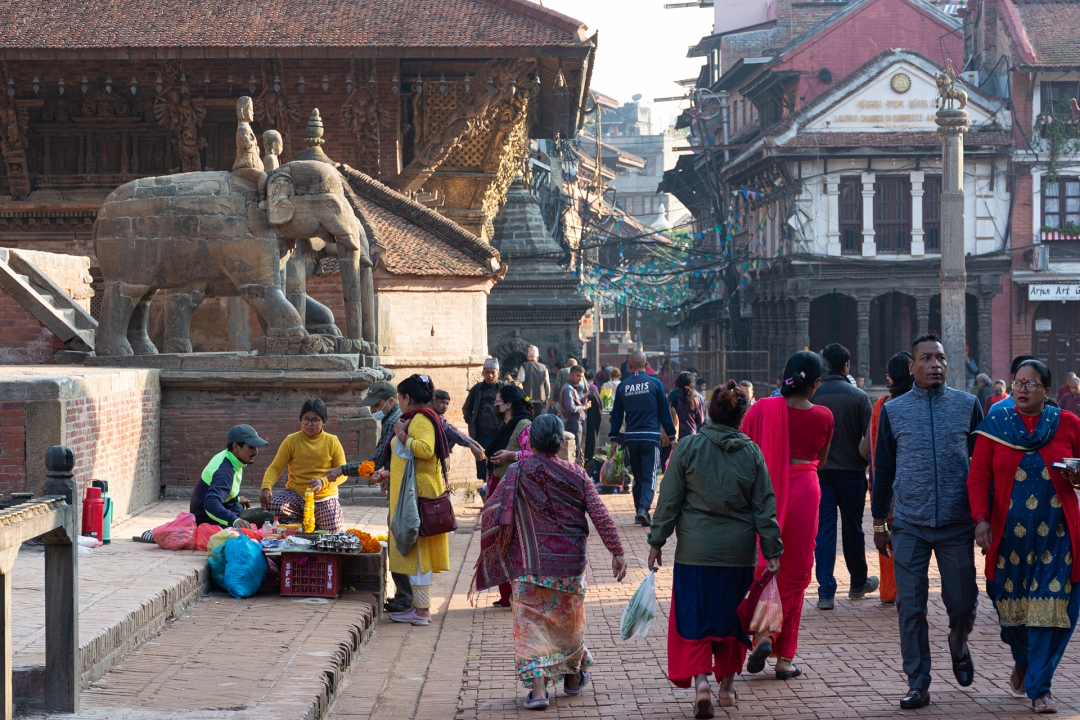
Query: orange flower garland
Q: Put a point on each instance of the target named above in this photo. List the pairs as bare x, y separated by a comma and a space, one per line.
367, 543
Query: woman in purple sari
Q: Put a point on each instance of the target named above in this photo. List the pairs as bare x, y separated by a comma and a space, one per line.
534, 532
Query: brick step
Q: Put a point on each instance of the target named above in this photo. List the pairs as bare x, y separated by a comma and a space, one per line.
128, 593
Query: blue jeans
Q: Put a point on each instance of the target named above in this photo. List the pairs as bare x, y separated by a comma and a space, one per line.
954, 546
644, 459
846, 491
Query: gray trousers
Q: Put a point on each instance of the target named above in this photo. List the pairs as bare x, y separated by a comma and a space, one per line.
402, 589
954, 546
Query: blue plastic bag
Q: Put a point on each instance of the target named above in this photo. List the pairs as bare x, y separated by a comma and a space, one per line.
217, 565
245, 566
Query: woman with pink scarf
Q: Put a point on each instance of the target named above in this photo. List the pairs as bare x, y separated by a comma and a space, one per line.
794, 436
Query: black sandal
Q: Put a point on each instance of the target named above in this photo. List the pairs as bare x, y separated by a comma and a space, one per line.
756, 662
794, 672
146, 537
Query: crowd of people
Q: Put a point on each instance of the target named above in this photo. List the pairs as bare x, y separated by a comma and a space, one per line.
752, 489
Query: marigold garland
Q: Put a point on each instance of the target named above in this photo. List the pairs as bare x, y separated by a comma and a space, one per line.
368, 544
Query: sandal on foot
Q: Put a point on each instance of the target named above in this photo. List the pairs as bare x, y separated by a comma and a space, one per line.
580, 686
703, 709
1048, 706
732, 700
794, 672
756, 662
499, 604
537, 703
146, 537
1016, 682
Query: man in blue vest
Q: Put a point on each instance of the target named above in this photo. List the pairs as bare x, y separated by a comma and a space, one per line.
641, 404
216, 498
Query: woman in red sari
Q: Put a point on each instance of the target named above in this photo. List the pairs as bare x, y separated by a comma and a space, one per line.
794, 436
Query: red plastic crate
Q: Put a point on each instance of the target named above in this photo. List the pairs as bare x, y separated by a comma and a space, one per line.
310, 574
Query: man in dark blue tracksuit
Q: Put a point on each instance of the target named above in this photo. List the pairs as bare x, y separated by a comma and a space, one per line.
640, 401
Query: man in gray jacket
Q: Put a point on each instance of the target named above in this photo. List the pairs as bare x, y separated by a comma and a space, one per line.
925, 439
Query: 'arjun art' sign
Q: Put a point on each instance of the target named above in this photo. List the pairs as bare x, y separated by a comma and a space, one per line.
1054, 292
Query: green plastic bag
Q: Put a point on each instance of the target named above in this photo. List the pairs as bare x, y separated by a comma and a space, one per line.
639, 613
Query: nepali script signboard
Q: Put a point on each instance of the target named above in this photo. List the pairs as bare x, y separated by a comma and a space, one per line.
1054, 292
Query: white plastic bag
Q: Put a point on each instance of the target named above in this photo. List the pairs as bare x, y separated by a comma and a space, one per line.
639, 613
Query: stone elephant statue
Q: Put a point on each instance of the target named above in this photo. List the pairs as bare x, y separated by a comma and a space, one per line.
203, 234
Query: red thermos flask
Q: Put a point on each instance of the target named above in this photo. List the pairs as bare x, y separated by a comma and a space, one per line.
93, 513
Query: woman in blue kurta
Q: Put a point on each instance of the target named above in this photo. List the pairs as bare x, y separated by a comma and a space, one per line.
1028, 521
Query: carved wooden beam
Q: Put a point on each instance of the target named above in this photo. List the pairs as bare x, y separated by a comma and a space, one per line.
468, 119
366, 117
14, 121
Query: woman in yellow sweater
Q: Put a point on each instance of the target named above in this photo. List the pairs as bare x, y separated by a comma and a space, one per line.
307, 454
418, 433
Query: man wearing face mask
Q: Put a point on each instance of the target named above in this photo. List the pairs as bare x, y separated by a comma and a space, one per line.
381, 398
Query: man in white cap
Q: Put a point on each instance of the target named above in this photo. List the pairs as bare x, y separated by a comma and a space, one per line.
535, 380
479, 410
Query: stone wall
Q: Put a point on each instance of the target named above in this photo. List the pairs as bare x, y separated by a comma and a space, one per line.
109, 418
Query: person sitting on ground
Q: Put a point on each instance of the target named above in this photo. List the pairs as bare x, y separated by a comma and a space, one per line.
216, 499
309, 455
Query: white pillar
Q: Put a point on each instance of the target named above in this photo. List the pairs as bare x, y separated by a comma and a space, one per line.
869, 242
832, 191
918, 247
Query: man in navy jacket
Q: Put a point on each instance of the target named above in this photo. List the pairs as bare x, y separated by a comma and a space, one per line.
641, 403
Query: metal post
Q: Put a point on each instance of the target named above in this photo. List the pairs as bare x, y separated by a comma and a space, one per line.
952, 124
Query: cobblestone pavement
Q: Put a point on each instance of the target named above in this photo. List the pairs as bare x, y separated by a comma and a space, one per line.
462, 666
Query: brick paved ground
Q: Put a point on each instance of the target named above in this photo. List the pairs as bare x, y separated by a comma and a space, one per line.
264, 657
267, 657
850, 658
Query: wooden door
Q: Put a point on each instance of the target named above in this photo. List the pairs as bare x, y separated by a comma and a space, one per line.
1055, 339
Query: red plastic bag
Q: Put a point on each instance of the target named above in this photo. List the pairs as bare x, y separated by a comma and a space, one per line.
178, 534
760, 611
203, 533
251, 533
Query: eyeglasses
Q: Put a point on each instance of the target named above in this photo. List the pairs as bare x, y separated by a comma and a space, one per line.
311, 421
1026, 385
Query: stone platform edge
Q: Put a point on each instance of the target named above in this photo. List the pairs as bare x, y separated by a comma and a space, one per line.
103, 652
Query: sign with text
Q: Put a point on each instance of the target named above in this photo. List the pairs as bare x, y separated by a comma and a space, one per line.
1054, 292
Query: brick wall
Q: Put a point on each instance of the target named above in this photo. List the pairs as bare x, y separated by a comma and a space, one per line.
12, 447
109, 418
115, 437
195, 421
24, 340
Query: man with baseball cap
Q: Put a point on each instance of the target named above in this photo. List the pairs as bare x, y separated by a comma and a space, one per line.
216, 498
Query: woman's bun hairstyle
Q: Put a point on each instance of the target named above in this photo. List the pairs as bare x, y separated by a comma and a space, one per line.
803, 369
418, 387
728, 405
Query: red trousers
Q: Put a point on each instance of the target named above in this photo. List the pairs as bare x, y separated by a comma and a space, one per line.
687, 658
799, 534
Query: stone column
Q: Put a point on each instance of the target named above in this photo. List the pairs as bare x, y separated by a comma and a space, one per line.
832, 192
869, 242
239, 325
952, 124
802, 324
918, 247
922, 315
862, 314
985, 358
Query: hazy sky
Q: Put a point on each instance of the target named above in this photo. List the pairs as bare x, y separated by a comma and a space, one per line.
642, 47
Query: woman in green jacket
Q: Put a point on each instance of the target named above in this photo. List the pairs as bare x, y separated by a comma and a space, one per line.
717, 498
